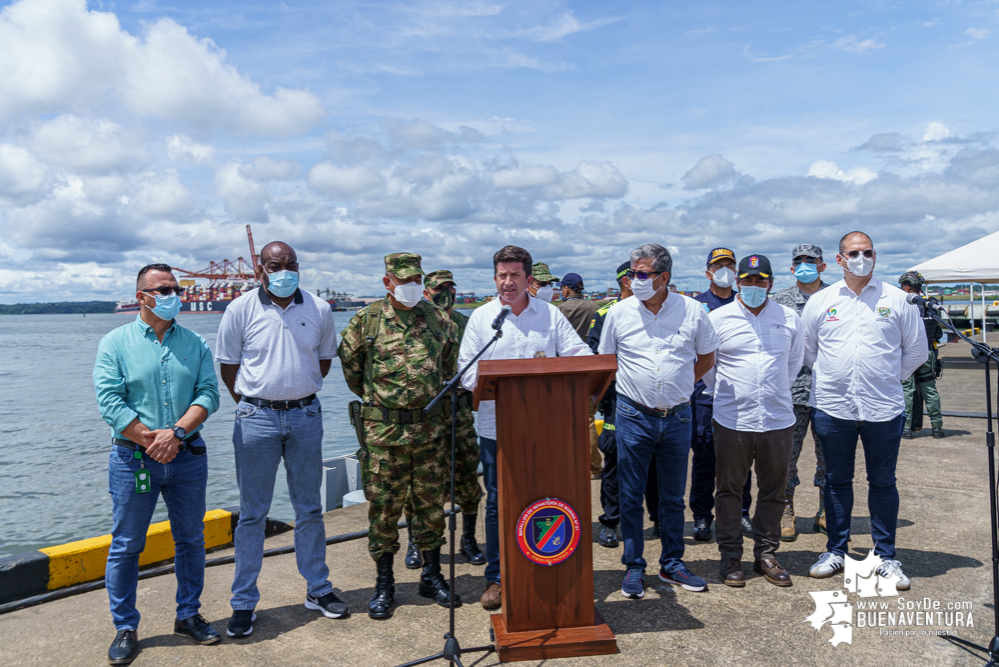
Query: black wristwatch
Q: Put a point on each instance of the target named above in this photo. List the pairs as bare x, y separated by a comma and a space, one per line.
179, 433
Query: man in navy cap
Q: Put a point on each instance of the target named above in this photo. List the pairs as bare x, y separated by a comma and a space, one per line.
721, 272
577, 310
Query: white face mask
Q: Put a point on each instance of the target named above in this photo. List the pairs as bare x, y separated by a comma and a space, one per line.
408, 294
546, 293
723, 277
643, 289
860, 266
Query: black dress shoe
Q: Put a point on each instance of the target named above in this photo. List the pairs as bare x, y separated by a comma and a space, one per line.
608, 537
197, 630
702, 529
380, 605
124, 648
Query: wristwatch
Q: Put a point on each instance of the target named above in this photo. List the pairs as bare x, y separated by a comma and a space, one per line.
179, 433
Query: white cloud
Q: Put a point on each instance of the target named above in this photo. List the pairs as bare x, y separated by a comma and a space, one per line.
854, 45
563, 26
830, 170
59, 56
523, 176
711, 171
936, 132
181, 148
343, 182
86, 145
162, 195
21, 175
589, 179
977, 33
243, 197
264, 168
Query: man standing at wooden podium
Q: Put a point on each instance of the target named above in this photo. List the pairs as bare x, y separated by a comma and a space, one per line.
664, 342
533, 328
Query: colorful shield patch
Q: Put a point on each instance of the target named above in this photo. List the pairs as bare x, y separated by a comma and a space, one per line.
548, 531
884, 312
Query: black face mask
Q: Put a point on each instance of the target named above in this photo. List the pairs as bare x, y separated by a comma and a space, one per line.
444, 299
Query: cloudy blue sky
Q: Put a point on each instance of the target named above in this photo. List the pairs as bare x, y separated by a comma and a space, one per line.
154, 131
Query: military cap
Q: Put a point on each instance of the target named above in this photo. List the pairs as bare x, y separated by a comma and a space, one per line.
720, 253
403, 265
435, 279
755, 265
806, 250
541, 273
914, 278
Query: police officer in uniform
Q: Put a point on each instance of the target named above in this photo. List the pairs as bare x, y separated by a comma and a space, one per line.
926, 375
396, 354
439, 289
721, 272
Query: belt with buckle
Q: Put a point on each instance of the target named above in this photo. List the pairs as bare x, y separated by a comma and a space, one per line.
653, 412
185, 444
373, 413
279, 405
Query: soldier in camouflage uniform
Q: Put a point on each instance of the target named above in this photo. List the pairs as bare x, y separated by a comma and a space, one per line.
542, 285
911, 282
439, 289
807, 264
396, 355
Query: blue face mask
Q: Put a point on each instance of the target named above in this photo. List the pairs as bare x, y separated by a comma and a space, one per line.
753, 297
167, 307
806, 273
282, 283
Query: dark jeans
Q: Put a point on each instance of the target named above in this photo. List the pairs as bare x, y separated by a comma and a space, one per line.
737, 452
839, 448
703, 464
641, 437
609, 491
487, 456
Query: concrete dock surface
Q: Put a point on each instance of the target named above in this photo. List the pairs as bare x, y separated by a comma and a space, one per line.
943, 544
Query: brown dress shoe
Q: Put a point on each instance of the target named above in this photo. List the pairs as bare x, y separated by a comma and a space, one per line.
731, 573
771, 569
491, 598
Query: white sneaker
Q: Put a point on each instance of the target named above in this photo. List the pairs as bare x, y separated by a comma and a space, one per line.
827, 565
893, 568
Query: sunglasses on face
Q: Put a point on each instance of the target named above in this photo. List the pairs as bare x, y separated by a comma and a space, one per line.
165, 291
854, 254
798, 261
643, 275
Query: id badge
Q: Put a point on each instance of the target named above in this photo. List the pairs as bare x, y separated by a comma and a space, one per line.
142, 482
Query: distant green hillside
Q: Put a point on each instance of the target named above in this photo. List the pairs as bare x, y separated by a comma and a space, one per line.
62, 308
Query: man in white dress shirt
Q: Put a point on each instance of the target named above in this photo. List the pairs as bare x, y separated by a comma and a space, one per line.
862, 339
532, 326
664, 343
760, 354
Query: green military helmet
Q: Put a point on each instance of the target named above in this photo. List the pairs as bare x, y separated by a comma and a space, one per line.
435, 279
403, 265
541, 273
914, 278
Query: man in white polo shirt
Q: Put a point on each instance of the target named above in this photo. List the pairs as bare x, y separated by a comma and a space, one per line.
532, 326
664, 343
760, 353
862, 339
275, 345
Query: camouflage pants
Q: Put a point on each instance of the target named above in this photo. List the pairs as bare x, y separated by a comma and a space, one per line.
467, 491
803, 417
389, 475
929, 390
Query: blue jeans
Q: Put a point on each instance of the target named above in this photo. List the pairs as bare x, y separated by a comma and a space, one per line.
260, 438
838, 438
487, 455
182, 483
639, 437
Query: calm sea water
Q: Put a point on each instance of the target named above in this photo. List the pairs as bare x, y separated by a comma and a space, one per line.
54, 456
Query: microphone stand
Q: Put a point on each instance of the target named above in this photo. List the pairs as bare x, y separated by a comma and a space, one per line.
452, 650
983, 354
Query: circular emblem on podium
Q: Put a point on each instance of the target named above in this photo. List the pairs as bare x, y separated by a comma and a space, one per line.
548, 531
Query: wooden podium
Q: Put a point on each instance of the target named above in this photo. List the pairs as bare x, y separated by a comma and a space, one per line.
543, 455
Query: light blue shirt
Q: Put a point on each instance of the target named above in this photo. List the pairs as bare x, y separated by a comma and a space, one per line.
137, 376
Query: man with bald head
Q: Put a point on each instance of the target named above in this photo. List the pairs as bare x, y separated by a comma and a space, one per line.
275, 345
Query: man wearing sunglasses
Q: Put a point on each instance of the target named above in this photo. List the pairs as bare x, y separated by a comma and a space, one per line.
861, 339
156, 386
807, 267
664, 343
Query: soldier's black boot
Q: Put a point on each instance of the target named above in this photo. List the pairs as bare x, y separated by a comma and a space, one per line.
413, 560
381, 604
432, 582
469, 545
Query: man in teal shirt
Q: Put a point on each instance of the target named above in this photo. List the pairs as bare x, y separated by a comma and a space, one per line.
156, 385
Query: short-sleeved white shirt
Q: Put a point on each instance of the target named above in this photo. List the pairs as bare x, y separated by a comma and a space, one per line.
277, 349
656, 352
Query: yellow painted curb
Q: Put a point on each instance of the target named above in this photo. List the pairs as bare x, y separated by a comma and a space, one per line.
86, 560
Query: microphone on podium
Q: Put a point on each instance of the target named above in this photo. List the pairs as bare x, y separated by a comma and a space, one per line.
930, 303
498, 322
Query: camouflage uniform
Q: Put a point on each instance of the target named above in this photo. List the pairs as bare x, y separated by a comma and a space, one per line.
409, 363
541, 273
802, 388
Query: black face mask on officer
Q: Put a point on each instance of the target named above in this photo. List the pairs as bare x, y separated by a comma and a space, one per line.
444, 299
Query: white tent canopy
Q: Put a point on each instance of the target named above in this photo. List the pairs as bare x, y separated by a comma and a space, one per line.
976, 262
